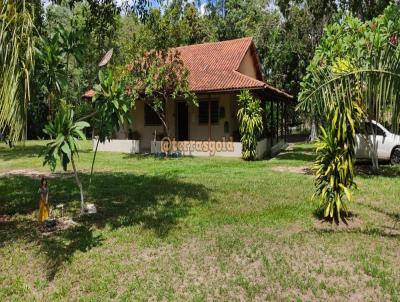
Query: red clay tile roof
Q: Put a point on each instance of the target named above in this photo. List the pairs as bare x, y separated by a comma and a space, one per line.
214, 66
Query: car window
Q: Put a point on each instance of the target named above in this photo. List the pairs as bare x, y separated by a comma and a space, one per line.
373, 128
370, 128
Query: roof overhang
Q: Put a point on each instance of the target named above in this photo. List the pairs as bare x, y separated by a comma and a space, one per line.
267, 91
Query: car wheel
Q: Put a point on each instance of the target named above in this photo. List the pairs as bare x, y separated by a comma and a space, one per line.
395, 157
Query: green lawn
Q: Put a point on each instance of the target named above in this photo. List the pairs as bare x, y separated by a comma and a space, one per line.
196, 229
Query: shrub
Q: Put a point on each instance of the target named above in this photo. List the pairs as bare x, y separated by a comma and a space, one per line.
250, 124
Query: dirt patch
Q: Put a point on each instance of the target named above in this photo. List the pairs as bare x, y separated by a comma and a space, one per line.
61, 224
305, 170
33, 174
351, 222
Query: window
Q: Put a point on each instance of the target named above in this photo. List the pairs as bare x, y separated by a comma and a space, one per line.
203, 112
150, 117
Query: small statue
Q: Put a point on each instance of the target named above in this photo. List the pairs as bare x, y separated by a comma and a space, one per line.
44, 200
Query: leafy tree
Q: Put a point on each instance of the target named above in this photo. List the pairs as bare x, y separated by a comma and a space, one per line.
129, 40
195, 28
111, 109
250, 123
371, 48
354, 75
17, 42
65, 145
159, 78
336, 146
72, 45
363, 9
53, 77
234, 18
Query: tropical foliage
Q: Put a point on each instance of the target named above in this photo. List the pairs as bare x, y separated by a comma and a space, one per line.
285, 35
157, 78
250, 115
17, 42
354, 75
111, 109
336, 155
64, 147
53, 77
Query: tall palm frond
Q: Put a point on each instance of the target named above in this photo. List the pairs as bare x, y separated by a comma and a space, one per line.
16, 66
377, 84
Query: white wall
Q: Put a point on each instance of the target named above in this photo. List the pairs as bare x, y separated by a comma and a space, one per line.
196, 131
117, 145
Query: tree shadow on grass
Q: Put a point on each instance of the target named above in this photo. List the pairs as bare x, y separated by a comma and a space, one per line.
355, 227
20, 151
374, 231
300, 153
364, 170
60, 248
157, 203
395, 217
30, 151
19, 194
154, 202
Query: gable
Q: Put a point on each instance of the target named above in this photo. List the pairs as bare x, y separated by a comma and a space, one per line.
247, 66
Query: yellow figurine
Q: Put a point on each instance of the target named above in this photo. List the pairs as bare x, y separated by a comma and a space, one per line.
44, 200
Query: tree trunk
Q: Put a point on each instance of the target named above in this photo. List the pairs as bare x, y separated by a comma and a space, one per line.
313, 135
94, 159
165, 126
79, 184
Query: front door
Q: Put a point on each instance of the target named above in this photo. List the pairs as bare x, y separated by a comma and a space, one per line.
182, 121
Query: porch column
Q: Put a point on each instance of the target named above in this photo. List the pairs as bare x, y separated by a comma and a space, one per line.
271, 132
209, 119
277, 120
282, 118
286, 117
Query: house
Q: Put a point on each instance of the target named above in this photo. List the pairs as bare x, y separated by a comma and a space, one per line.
218, 71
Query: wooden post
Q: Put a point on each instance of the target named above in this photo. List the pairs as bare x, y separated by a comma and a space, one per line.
209, 119
286, 117
277, 121
282, 117
272, 134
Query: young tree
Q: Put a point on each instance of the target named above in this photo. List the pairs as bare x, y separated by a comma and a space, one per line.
111, 109
369, 53
65, 145
354, 75
250, 123
158, 78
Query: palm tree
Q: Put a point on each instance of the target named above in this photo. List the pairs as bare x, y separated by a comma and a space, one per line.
16, 65
375, 85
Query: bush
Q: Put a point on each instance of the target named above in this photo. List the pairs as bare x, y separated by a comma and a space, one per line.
250, 124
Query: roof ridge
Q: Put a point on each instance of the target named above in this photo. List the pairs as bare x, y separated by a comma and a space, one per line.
213, 42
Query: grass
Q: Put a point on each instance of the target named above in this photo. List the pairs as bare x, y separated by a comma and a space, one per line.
196, 229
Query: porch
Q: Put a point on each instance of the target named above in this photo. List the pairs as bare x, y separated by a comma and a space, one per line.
209, 129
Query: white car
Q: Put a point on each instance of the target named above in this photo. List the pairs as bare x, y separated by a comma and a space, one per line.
387, 143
